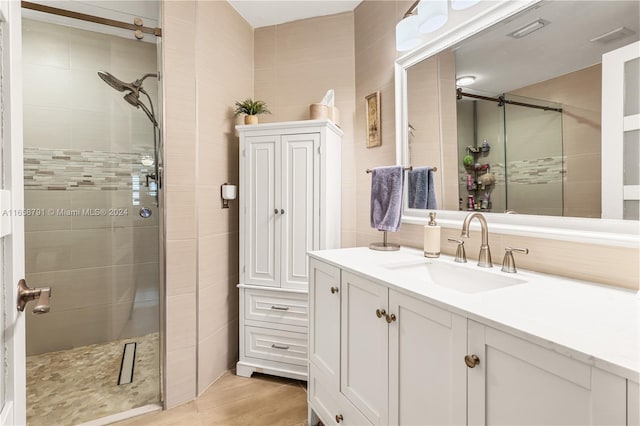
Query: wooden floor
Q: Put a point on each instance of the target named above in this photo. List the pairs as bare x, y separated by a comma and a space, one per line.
236, 401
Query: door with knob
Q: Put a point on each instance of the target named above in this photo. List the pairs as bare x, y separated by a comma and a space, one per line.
324, 321
427, 383
510, 379
364, 377
12, 322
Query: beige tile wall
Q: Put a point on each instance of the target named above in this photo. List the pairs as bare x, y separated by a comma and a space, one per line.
179, 91
224, 70
375, 53
102, 269
295, 64
208, 59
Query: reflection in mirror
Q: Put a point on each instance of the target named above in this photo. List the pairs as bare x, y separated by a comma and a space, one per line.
543, 161
523, 175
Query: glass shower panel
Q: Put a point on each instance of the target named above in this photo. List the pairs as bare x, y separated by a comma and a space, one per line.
534, 157
88, 156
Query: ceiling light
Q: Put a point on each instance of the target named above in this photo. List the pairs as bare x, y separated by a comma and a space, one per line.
529, 28
434, 14
465, 80
407, 34
618, 33
463, 4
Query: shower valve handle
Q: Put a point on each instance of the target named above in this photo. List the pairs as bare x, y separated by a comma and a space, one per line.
26, 294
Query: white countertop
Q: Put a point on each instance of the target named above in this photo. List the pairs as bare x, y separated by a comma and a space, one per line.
596, 324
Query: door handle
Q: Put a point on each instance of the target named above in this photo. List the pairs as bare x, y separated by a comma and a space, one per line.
26, 294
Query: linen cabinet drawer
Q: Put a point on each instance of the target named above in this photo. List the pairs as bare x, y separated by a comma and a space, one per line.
276, 345
280, 307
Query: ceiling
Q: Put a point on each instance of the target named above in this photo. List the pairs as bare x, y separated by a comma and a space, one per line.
262, 13
502, 63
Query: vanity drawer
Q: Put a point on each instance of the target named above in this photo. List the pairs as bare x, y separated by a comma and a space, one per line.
276, 345
277, 307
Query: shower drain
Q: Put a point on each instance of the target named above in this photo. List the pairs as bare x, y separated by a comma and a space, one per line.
128, 362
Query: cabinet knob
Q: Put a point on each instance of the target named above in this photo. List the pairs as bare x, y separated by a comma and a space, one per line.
380, 313
276, 211
390, 318
471, 360
334, 290
281, 211
339, 418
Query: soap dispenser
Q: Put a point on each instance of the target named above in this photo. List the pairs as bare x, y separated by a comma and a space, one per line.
432, 237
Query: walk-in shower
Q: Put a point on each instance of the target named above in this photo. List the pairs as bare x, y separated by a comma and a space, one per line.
92, 165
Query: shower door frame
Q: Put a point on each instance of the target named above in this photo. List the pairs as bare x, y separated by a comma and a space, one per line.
13, 404
117, 28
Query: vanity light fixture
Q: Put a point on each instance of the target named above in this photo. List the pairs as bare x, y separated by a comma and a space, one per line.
465, 80
463, 4
407, 33
434, 14
529, 28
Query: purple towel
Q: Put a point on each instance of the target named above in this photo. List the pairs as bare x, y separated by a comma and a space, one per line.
386, 197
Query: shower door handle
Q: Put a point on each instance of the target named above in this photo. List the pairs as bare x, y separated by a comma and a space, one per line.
26, 294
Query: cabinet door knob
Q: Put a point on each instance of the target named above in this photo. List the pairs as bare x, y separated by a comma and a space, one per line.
276, 211
339, 418
471, 360
281, 211
390, 318
380, 313
334, 290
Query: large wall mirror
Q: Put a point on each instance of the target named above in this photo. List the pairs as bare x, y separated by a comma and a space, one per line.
523, 134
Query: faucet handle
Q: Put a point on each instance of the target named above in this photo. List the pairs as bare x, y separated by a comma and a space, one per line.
461, 254
508, 263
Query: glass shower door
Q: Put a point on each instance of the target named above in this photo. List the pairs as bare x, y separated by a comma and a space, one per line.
534, 161
89, 166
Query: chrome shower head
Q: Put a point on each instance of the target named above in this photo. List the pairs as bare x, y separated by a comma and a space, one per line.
134, 89
120, 86
133, 99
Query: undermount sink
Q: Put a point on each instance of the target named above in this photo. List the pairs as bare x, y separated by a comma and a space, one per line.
459, 278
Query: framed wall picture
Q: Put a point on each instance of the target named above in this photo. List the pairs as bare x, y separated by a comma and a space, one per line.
374, 135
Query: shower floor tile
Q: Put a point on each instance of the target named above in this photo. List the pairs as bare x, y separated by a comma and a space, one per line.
81, 384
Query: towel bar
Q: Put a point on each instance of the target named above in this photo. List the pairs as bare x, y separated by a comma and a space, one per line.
433, 168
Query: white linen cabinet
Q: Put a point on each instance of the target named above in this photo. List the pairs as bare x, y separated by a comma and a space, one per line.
289, 204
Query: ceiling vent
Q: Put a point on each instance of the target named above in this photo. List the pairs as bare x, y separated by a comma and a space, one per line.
529, 28
617, 34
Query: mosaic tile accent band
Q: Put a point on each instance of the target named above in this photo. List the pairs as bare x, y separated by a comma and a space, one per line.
537, 171
64, 169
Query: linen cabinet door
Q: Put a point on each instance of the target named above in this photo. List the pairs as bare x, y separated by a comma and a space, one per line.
324, 322
262, 210
300, 202
515, 381
364, 368
427, 380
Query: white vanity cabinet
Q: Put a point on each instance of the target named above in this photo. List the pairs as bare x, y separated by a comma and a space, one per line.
289, 204
516, 379
381, 355
371, 354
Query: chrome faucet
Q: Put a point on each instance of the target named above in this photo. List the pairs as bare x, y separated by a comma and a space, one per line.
484, 258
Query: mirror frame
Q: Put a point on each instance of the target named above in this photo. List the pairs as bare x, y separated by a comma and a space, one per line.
611, 232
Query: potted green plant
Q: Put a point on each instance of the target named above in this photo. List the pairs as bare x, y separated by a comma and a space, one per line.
251, 109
